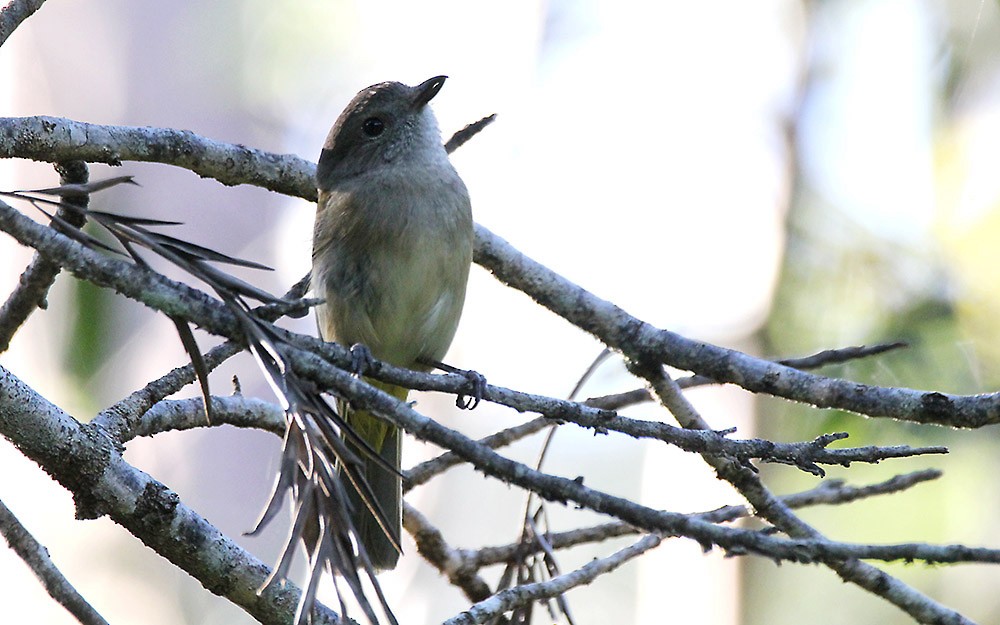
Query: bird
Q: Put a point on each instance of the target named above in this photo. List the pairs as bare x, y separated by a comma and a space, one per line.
392, 248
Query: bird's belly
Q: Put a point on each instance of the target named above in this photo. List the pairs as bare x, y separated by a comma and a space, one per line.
405, 312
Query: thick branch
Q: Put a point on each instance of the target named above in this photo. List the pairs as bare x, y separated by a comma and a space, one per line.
14, 13
85, 461
58, 139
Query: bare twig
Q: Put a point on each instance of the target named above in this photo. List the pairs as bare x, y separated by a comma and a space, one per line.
507, 600
840, 355
33, 286
423, 472
121, 419
462, 136
450, 562
37, 558
186, 414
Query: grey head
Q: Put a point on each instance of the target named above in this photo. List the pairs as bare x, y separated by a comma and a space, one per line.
384, 125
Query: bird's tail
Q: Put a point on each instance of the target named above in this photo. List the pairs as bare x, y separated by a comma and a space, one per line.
386, 485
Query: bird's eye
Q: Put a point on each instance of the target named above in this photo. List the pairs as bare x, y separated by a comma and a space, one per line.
373, 126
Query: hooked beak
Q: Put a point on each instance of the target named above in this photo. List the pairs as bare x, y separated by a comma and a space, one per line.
426, 90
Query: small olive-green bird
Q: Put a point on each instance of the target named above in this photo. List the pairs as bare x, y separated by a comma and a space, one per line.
392, 247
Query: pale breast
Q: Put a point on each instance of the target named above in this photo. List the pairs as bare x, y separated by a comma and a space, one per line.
392, 258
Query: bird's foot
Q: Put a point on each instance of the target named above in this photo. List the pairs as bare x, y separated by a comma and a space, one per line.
361, 359
477, 384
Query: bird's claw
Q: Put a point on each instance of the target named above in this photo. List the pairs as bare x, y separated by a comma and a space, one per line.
478, 383
361, 359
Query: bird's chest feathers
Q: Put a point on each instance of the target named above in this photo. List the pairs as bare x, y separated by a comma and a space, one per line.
394, 275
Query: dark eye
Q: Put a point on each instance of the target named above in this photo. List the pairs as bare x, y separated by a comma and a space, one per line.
373, 126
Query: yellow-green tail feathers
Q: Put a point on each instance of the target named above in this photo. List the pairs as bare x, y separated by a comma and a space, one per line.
385, 439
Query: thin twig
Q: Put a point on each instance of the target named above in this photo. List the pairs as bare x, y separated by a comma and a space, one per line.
507, 600
37, 558
462, 136
32, 289
450, 562
423, 472
171, 415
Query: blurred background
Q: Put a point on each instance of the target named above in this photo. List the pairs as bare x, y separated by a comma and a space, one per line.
779, 176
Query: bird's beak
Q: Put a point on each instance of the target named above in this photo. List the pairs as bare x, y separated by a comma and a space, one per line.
426, 90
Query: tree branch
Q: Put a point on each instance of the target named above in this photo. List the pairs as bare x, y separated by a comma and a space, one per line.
33, 287
50, 139
641, 341
849, 567
828, 492
14, 13
174, 298
37, 558
86, 462
506, 600
186, 414
840, 355
178, 300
